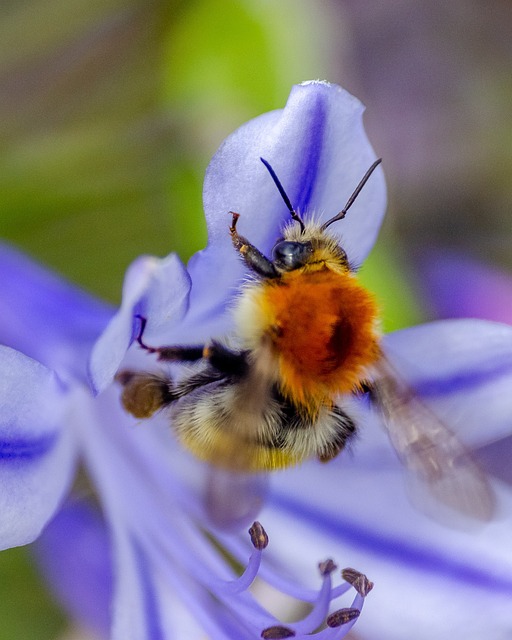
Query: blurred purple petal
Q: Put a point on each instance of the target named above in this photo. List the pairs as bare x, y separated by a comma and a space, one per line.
134, 583
75, 555
458, 287
319, 150
495, 458
45, 317
463, 368
36, 455
154, 288
418, 566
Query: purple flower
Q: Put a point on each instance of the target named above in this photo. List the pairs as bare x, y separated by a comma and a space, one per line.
457, 286
151, 545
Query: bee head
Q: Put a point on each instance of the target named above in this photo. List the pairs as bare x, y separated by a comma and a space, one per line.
313, 248
310, 243
288, 255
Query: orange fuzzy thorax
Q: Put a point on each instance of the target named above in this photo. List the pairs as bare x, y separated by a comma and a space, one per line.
324, 331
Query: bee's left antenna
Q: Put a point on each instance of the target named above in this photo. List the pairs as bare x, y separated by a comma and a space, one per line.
284, 196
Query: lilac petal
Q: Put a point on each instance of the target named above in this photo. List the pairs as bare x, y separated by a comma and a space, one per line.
319, 150
159, 558
422, 571
134, 609
495, 459
76, 543
112, 452
36, 455
463, 370
156, 289
134, 584
459, 287
45, 317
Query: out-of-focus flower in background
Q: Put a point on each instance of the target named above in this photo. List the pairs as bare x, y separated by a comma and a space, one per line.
457, 286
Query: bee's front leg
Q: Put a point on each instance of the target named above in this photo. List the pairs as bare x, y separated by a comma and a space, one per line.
225, 360
175, 353
220, 357
253, 258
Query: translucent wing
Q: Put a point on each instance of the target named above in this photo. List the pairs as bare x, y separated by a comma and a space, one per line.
436, 458
233, 499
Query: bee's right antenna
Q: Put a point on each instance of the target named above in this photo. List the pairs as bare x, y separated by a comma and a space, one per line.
284, 196
357, 191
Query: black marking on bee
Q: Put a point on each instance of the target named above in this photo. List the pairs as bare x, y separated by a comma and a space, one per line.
225, 360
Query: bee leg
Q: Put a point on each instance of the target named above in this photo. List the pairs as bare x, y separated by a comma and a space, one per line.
145, 393
175, 353
221, 358
345, 429
253, 258
179, 353
226, 361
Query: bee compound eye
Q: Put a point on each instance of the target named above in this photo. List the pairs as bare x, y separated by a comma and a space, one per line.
290, 255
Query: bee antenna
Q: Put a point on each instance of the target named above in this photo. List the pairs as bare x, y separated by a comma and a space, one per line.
357, 191
284, 196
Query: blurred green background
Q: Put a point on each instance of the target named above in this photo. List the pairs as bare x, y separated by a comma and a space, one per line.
110, 111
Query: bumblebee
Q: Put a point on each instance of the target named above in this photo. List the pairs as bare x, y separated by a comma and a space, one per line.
307, 334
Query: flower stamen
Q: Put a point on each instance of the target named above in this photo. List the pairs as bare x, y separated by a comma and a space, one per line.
358, 580
320, 608
277, 633
327, 567
259, 537
342, 616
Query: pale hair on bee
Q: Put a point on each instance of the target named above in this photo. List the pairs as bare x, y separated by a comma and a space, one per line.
307, 335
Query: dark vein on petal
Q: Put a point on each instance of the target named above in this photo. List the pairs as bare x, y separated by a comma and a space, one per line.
395, 550
26, 448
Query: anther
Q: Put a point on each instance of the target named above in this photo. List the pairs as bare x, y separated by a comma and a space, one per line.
277, 633
259, 539
327, 567
358, 580
342, 616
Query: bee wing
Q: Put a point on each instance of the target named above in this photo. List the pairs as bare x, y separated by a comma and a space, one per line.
233, 499
434, 456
